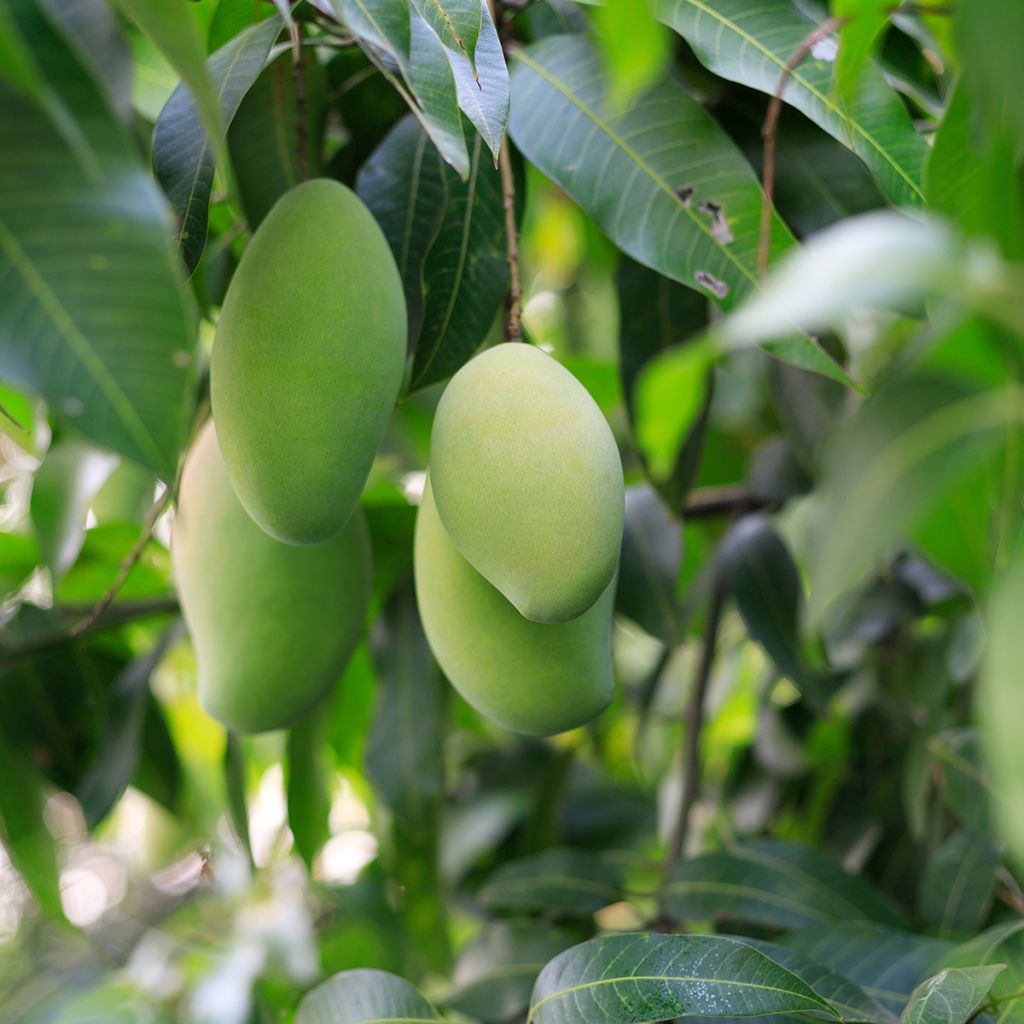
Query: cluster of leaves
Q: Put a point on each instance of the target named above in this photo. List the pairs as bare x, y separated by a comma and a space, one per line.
845, 824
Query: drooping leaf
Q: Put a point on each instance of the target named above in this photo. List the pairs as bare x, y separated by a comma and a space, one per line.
772, 883
652, 554
763, 578
564, 882
642, 977
858, 40
106, 337
950, 996
752, 44
309, 802
184, 157
404, 185
495, 973
234, 780
958, 885
886, 963
365, 997
456, 22
62, 489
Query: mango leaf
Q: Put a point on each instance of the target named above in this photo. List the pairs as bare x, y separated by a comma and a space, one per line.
309, 802
365, 997
1002, 943
679, 199
635, 47
950, 996
495, 973
964, 780
404, 185
858, 40
634, 978
262, 139
886, 963
959, 884
753, 44
32, 849
62, 489
106, 338
234, 16
763, 578
183, 156
652, 555
772, 883
562, 882
465, 273
234, 784
998, 704
457, 23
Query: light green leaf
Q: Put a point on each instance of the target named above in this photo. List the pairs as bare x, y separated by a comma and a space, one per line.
950, 996
635, 47
753, 43
632, 978
365, 997
858, 39
309, 802
235, 786
107, 337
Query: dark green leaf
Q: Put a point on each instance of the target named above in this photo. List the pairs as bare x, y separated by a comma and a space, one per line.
958, 885
632, 978
233, 16
365, 997
183, 156
456, 22
309, 803
752, 44
563, 882
1002, 943
963, 779
106, 337
158, 773
773, 883
951, 996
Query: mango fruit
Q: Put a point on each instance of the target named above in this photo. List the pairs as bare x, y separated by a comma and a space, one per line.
307, 361
273, 625
531, 677
528, 481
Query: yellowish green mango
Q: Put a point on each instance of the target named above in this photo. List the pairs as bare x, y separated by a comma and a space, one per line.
307, 361
531, 677
273, 624
528, 481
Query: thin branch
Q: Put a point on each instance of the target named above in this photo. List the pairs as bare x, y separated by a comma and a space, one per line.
301, 123
734, 499
770, 128
514, 300
695, 724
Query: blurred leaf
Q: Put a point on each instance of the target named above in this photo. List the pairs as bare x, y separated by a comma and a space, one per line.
999, 706
465, 273
681, 199
233, 16
126, 496
964, 782
858, 39
635, 47
648, 977
120, 746
887, 964
555, 882
753, 43
763, 578
957, 887
495, 973
772, 883
234, 780
183, 157
175, 33
19, 556
99, 563
364, 997
158, 773
79, 331
309, 802
32, 849
352, 707
403, 184
263, 134
950, 996
62, 489
652, 553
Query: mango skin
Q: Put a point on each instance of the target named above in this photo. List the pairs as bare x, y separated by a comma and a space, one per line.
531, 677
307, 361
528, 481
273, 625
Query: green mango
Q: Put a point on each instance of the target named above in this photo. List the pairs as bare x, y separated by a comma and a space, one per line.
273, 624
307, 361
528, 481
532, 677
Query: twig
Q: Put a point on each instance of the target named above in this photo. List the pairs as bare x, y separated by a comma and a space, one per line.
768, 131
514, 300
694, 726
709, 502
301, 127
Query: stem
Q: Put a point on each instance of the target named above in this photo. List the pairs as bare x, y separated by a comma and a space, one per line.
694, 726
301, 125
768, 131
514, 300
